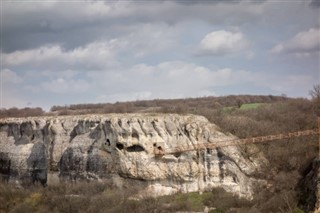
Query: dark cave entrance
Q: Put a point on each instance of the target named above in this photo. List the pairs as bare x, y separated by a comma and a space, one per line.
119, 146
135, 148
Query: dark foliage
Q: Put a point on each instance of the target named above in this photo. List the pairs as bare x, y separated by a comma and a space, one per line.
25, 112
187, 105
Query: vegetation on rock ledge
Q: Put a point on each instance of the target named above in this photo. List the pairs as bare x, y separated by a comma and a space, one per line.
290, 160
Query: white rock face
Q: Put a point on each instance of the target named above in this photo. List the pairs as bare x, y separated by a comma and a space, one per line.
120, 147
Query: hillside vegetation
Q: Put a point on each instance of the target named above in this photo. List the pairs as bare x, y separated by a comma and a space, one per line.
243, 116
188, 105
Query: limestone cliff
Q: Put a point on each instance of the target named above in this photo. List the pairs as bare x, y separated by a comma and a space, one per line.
120, 147
310, 187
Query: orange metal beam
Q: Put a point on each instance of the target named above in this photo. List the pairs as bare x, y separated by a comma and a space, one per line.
234, 142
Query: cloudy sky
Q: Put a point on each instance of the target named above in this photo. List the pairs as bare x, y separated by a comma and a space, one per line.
67, 52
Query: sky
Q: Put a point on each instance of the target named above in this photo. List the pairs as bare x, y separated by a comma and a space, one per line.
70, 52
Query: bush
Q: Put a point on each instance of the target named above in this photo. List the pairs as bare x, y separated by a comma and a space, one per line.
217, 210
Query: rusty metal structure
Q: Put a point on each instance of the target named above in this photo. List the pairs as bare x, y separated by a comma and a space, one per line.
159, 150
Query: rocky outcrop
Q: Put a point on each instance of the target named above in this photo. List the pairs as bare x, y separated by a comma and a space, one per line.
310, 186
121, 148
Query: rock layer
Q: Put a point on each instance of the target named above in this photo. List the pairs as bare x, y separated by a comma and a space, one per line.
120, 147
317, 184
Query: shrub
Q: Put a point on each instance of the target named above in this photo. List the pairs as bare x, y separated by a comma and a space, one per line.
217, 210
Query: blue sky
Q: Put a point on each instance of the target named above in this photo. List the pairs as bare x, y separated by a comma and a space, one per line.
68, 52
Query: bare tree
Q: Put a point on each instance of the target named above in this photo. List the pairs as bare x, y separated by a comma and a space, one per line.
315, 94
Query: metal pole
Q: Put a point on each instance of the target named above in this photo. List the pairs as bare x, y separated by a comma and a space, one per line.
319, 136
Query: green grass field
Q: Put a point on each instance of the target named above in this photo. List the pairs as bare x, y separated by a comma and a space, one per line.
251, 105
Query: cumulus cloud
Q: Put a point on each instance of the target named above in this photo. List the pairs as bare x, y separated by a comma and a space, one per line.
67, 52
179, 79
68, 23
302, 44
8, 77
223, 42
315, 3
146, 39
143, 41
171, 79
74, 24
62, 86
96, 55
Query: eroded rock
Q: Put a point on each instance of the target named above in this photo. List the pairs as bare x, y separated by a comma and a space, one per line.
122, 145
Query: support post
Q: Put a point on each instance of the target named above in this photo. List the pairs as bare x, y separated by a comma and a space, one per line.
319, 136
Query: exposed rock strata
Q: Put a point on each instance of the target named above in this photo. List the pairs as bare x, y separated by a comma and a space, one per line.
121, 148
310, 186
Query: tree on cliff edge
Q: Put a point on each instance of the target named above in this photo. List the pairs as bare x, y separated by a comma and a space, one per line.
315, 95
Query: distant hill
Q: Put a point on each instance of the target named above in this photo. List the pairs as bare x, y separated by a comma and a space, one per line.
187, 105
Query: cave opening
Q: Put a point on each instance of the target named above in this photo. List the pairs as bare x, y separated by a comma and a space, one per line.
177, 155
135, 148
119, 146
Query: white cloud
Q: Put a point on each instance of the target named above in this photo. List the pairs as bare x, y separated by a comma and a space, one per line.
223, 42
142, 41
179, 79
96, 55
69, 52
171, 79
302, 44
70, 12
146, 39
293, 84
63, 86
8, 76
